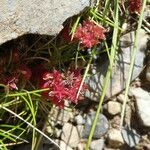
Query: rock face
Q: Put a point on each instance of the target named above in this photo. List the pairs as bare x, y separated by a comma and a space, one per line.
143, 105
41, 17
120, 69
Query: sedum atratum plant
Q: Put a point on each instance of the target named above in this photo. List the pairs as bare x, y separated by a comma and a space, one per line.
56, 85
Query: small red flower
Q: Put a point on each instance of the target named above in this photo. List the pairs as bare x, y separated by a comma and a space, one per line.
89, 33
57, 92
73, 85
135, 6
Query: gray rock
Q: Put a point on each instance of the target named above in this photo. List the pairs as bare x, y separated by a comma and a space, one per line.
79, 119
36, 16
120, 98
147, 11
113, 108
121, 68
130, 136
82, 144
60, 116
115, 138
71, 134
97, 144
63, 145
102, 126
143, 105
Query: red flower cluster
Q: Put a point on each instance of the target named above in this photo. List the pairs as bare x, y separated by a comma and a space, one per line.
89, 33
62, 86
135, 6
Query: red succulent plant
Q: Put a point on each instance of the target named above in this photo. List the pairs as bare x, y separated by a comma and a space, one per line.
62, 86
89, 33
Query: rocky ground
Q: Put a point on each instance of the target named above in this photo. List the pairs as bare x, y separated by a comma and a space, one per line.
70, 127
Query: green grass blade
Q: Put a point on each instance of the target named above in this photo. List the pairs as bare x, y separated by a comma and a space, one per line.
108, 75
2, 146
19, 117
134, 51
28, 92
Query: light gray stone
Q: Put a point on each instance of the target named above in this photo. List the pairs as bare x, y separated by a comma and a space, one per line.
115, 138
130, 136
120, 98
97, 144
71, 134
147, 11
60, 116
120, 69
82, 145
40, 17
63, 145
79, 119
113, 108
102, 126
143, 105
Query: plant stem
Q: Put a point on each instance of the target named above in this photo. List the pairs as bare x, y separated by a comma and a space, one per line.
85, 74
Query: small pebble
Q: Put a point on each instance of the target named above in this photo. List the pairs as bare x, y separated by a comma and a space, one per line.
130, 136
120, 98
71, 134
97, 144
102, 126
60, 115
63, 145
115, 123
113, 108
115, 138
81, 145
79, 119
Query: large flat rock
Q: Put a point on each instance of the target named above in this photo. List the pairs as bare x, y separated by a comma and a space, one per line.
18, 17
